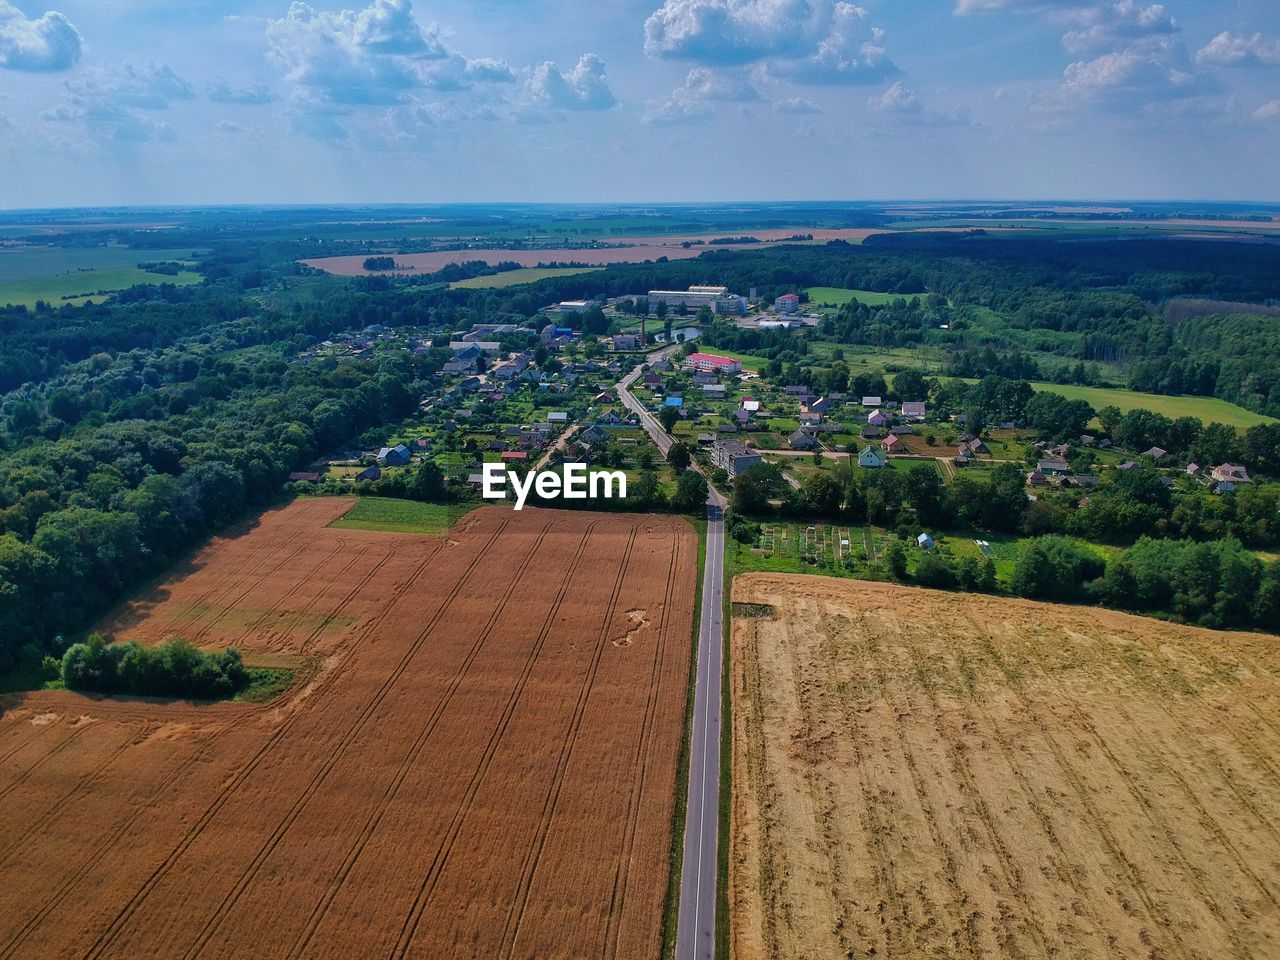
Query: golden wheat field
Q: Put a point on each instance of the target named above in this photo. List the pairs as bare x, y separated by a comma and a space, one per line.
923, 774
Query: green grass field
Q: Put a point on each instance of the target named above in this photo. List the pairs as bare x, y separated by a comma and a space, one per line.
513, 278
1208, 409
28, 263
839, 296
85, 286
401, 516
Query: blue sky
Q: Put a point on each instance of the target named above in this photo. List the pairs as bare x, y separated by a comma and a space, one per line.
157, 101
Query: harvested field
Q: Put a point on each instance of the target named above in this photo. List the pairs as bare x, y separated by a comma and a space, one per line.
482, 763
924, 774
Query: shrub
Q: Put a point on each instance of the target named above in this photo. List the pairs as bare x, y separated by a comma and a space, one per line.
174, 669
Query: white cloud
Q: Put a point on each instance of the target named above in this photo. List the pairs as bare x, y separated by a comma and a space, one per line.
1232, 50
1147, 72
694, 100
228, 126
797, 105
45, 44
806, 41
108, 101
897, 99
1268, 111
965, 7
1114, 25
254, 95
902, 107
585, 87
373, 56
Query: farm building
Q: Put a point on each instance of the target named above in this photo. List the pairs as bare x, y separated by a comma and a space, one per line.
369, 473
396, 456
924, 542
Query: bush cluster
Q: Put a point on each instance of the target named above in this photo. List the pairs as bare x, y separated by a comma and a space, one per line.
173, 669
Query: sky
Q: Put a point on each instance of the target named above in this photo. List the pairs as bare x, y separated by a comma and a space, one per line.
120, 102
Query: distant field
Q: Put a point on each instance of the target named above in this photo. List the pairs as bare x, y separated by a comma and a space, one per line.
401, 516
926, 774
27, 263
85, 286
1208, 409
839, 296
512, 278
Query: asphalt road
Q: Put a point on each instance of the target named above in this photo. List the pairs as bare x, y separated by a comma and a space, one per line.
696, 923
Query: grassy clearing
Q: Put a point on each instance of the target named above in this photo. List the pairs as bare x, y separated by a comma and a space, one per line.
513, 278
85, 286
401, 516
839, 296
265, 683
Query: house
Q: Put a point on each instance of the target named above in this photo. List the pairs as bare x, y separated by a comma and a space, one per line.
734, 457
610, 418
515, 456
592, 435
369, 473
924, 542
713, 389
871, 458
497, 446
891, 443
750, 405
1055, 465
1229, 474
702, 379
741, 417
803, 441
871, 401
1193, 470
712, 363
1156, 454
705, 438
796, 391
962, 458
396, 456
1087, 440
1127, 465
903, 430
913, 410
878, 418
475, 480
513, 367
625, 341
557, 416
807, 418
869, 433
821, 405
303, 477
604, 396
651, 380
1036, 479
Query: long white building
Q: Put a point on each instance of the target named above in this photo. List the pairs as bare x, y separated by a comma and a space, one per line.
716, 299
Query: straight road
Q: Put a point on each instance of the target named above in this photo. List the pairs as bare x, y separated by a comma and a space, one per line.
696, 924
696, 921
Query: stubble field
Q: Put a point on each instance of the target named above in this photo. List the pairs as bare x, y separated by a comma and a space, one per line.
923, 774
481, 761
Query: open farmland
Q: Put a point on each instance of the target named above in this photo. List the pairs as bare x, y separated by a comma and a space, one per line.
919, 773
482, 755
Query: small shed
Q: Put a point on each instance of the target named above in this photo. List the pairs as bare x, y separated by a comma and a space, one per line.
924, 542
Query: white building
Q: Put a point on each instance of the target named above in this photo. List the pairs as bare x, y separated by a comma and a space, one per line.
733, 457
716, 299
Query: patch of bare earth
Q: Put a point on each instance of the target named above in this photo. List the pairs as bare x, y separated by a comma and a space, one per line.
924, 774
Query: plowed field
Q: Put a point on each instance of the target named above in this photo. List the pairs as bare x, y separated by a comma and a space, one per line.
481, 763
923, 774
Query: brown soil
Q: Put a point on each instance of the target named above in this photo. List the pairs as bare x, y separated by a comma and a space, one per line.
923, 774
474, 768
